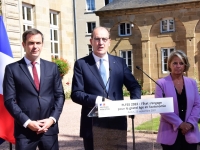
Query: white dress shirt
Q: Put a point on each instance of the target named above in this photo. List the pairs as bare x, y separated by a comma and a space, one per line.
106, 64
30, 66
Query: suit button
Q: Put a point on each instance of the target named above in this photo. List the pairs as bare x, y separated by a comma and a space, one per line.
38, 108
108, 97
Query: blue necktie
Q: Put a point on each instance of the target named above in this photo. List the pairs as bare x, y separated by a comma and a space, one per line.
102, 71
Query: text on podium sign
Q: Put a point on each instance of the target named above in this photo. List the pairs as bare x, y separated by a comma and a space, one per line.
136, 106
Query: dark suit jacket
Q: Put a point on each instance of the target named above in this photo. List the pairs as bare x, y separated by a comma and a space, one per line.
87, 84
24, 102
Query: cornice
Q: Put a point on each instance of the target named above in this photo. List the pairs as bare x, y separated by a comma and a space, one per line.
152, 9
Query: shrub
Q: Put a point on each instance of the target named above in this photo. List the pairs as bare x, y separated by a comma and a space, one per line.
67, 94
125, 91
63, 65
143, 92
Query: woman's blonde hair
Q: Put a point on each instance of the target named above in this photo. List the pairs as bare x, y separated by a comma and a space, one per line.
180, 54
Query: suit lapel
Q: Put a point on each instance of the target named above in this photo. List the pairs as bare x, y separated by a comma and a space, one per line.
189, 95
24, 68
42, 73
112, 65
171, 92
93, 67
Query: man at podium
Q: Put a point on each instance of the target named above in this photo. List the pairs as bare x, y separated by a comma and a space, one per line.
98, 77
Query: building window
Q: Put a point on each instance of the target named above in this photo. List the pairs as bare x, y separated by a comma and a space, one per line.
127, 55
165, 54
90, 27
54, 34
90, 48
124, 29
108, 1
167, 25
27, 14
90, 5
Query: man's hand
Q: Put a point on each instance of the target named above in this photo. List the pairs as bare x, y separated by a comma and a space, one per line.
44, 124
34, 125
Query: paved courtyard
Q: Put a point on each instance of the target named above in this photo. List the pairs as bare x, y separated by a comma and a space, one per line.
69, 131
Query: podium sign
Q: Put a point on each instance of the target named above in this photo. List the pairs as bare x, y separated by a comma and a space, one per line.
136, 106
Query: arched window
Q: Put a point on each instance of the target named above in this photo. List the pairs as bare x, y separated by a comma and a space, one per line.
124, 29
167, 25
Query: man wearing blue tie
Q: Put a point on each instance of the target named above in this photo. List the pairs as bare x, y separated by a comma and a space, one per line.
97, 77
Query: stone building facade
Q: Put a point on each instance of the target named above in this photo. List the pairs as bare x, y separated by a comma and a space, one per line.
144, 33
53, 18
86, 20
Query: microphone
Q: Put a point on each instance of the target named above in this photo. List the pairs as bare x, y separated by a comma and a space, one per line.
163, 94
104, 89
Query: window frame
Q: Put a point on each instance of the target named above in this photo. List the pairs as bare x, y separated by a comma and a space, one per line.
127, 58
168, 25
90, 49
90, 5
107, 2
27, 24
91, 27
125, 29
163, 57
53, 29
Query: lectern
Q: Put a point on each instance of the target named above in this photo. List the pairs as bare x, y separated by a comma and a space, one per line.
109, 133
108, 136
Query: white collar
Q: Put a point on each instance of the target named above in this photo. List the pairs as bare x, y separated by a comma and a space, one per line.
96, 58
29, 62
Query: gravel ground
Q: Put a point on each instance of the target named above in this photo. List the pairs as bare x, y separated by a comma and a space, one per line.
69, 131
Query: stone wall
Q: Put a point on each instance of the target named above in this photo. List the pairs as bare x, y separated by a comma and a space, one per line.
146, 40
12, 13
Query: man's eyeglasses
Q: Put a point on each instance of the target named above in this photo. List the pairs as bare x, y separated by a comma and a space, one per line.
99, 39
176, 63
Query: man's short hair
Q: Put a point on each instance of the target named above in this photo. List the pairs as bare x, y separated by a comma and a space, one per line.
31, 31
100, 27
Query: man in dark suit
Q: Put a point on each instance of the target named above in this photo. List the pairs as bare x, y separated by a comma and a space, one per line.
89, 87
33, 94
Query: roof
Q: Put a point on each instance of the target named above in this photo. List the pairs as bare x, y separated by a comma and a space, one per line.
129, 4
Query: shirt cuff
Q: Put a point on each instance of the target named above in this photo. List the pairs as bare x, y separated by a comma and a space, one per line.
98, 100
26, 123
53, 119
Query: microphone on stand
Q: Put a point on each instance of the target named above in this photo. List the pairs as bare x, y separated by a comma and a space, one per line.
104, 89
163, 94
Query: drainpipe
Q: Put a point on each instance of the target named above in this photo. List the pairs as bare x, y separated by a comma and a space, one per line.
20, 30
75, 35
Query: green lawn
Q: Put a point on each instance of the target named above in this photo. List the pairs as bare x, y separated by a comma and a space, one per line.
152, 125
149, 125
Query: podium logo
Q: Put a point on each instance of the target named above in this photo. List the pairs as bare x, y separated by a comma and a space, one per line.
102, 105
